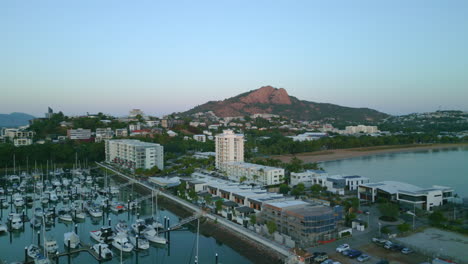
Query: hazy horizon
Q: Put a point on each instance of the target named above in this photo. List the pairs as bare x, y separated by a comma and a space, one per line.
397, 57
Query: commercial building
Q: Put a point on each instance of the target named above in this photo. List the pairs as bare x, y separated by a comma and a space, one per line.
304, 222
134, 154
308, 178
308, 136
253, 173
350, 183
229, 148
407, 195
79, 134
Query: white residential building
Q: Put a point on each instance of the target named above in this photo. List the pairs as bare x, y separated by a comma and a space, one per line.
152, 123
79, 134
135, 154
308, 136
103, 134
229, 148
22, 142
200, 138
253, 173
133, 127
121, 132
135, 112
171, 133
361, 129
308, 178
12, 133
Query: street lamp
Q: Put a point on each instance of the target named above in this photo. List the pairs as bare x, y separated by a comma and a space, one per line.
380, 233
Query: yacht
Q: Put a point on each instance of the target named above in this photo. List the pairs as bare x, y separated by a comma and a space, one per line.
95, 212
122, 243
104, 235
121, 227
33, 251
142, 242
64, 215
3, 228
103, 251
139, 226
153, 236
36, 222
18, 200
73, 238
79, 215
38, 212
51, 246
16, 222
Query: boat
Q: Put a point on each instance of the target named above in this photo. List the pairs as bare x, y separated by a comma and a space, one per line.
151, 222
36, 222
53, 197
3, 228
89, 180
18, 200
143, 243
104, 235
33, 251
38, 212
65, 217
16, 222
73, 238
139, 226
51, 246
65, 182
95, 212
152, 236
42, 260
103, 251
122, 243
121, 227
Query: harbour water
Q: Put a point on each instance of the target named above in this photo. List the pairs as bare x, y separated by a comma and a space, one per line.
447, 167
182, 248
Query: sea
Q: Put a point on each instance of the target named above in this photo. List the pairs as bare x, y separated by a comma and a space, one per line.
424, 168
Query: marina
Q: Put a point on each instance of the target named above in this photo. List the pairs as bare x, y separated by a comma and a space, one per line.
74, 216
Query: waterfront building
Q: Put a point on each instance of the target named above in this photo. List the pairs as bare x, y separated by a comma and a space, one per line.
308, 136
349, 183
229, 148
134, 154
200, 138
79, 134
407, 195
308, 178
304, 222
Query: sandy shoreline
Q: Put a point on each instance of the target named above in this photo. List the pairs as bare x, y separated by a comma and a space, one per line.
340, 154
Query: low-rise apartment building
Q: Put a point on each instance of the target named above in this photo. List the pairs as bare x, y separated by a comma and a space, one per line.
134, 154
121, 132
104, 134
253, 173
407, 195
200, 138
22, 142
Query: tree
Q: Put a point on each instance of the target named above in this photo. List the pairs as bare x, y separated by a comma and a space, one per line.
404, 227
208, 199
243, 179
219, 205
193, 195
316, 189
437, 218
182, 189
284, 188
389, 211
298, 189
253, 219
271, 227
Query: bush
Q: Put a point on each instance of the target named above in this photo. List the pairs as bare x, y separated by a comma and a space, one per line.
404, 227
345, 234
385, 230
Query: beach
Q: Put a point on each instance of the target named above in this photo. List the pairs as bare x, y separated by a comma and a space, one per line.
339, 154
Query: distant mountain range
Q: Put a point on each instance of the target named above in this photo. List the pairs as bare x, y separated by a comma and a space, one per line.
270, 100
15, 119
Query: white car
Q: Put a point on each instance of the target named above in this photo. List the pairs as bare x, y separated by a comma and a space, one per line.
342, 248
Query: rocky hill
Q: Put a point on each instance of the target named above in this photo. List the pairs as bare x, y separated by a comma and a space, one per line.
270, 100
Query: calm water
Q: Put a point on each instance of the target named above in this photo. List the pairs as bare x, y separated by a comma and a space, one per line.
448, 167
181, 249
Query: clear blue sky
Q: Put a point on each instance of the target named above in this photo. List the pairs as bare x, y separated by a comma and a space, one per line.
110, 56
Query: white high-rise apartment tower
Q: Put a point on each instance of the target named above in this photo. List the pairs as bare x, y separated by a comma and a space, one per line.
229, 148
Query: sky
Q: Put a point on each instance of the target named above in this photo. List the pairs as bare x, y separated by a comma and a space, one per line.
167, 56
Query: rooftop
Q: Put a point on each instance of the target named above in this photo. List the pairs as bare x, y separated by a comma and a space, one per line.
287, 204
134, 142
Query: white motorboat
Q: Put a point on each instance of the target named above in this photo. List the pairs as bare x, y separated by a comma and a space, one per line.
42, 260
38, 212
3, 228
33, 251
95, 212
65, 182
16, 222
73, 238
18, 200
103, 251
153, 236
51, 246
65, 217
36, 222
89, 180
122, 243
53, 197
143, 243
121, 227
104, 235
153, 223
139, 226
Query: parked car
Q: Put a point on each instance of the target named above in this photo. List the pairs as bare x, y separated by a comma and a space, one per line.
379, 241
407, 251
388, 245
353, 253
328, 261
319, 256
396, 247
363, 258
342, 248
346, 252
